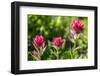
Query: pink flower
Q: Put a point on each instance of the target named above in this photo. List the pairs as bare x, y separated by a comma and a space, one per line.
38, 41
57, 41
34, 53
77, 26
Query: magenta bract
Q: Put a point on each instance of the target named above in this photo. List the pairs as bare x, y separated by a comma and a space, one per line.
39, 41
34, 53
77, 26
57, 41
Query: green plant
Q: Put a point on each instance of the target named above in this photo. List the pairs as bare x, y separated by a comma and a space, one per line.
57, 37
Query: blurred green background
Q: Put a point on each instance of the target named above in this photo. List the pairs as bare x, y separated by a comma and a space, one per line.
52, 26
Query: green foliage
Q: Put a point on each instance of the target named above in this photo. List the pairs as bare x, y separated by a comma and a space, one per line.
53, 26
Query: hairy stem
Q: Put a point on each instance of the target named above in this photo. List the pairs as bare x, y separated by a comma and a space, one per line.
39, 56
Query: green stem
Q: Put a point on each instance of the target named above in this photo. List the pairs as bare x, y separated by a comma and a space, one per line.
57, 54
74, 43
72, 55
37, 58
37, 49
73, 49
70, 51
39, 55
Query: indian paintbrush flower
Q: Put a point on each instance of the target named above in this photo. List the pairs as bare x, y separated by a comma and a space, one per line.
38, 41
34, 53
57, 41
78, 26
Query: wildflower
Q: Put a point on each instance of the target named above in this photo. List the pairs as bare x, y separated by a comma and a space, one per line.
57, 41
77, 26
38, 41
34, 53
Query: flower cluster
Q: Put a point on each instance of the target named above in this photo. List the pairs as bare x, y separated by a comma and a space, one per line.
39, 42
